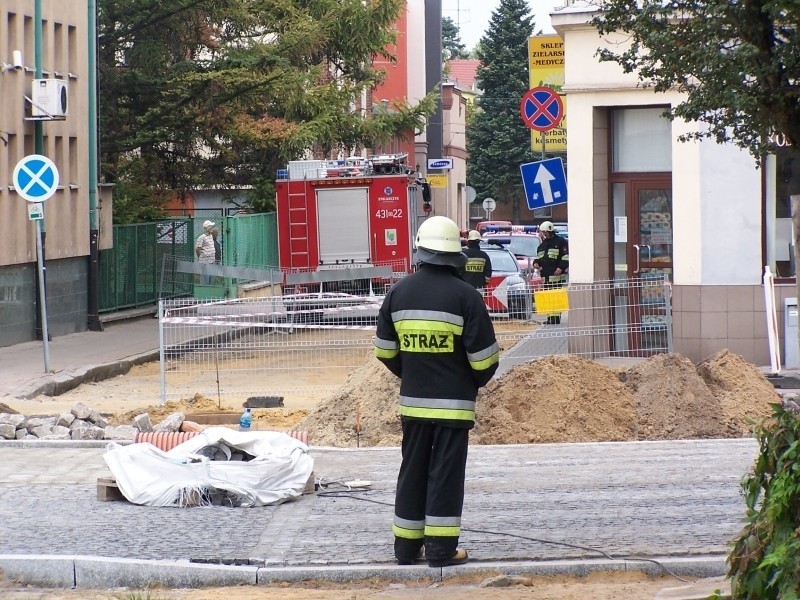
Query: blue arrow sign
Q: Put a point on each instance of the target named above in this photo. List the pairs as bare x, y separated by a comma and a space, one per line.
35, 178
544, 182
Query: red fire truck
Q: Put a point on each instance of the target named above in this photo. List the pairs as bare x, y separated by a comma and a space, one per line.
332, 226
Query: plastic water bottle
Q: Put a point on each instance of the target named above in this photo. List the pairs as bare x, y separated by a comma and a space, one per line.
246, 420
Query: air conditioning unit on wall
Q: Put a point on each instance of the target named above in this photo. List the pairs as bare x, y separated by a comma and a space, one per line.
49, 99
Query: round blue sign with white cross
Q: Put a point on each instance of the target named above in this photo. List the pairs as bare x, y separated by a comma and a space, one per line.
35, 178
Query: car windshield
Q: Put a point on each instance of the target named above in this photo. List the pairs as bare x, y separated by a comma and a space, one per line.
503, 261
523, 245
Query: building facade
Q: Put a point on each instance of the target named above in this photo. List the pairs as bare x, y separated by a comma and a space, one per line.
64, 140
407, 79
643, 203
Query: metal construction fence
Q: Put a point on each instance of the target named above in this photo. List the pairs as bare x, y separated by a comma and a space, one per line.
305, 345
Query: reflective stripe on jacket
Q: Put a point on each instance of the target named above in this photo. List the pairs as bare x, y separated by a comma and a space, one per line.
435, 333
478, 269
553, 253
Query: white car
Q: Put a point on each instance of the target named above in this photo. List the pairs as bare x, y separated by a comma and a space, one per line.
508, 291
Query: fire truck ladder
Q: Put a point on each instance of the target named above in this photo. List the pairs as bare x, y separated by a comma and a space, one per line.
299, 250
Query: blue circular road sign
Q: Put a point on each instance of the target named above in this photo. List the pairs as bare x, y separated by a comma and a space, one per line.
541, 108
35, 178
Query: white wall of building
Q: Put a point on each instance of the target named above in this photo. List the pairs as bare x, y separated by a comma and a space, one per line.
716, 188
687, 215
415, 22
580, 191
730, 200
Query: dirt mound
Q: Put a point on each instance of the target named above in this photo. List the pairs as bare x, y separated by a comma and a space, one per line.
5, 408
567, 399
197, 404
367, 402
672, 400
556, 399
744, 393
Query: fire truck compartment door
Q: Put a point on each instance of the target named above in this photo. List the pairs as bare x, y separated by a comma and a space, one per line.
343, 217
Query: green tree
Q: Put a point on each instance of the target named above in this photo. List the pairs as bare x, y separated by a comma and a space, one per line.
738, 64
451, 41
498, 142
222, 92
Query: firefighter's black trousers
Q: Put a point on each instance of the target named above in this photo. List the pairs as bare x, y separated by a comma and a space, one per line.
430, 488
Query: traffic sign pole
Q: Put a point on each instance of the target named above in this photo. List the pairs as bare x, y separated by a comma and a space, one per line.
36, 179
542, 134
489, 205
42, 295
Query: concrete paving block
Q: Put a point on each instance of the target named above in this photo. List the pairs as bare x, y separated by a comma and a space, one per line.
701, 566
40, 570
572, 568
688, 567
101, 572
341, 574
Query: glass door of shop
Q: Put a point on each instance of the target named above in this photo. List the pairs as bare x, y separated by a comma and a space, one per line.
642, 254
650, 242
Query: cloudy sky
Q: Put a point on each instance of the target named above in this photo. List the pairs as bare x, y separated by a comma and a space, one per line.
472, 16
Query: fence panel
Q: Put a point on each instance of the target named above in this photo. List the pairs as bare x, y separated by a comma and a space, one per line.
253, 240
129, 272
249, 245
140, 268
307, 344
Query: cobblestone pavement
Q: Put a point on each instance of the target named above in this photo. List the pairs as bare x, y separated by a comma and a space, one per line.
642, 499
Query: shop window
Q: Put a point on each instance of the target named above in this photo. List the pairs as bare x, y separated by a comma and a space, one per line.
642, 141
782, 173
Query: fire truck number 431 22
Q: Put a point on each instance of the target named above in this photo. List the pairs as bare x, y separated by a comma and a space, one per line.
389, 213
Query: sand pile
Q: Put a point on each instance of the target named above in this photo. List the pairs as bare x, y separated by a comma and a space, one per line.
744, 393
567, 399
363, 412
194, 405
554, 399
280, 419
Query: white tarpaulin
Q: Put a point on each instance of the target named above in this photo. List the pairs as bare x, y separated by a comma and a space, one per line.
185, 476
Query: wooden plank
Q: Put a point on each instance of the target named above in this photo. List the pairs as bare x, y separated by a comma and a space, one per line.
311, 486
108, 490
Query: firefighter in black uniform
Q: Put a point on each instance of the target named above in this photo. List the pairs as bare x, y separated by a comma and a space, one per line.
478, 269
434, 332
552, 260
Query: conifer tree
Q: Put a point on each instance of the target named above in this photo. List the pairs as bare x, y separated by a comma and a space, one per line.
222, 92
498, 142
452, 47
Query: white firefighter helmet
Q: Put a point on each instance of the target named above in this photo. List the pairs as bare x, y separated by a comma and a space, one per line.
439, 242
547, 226
473, 235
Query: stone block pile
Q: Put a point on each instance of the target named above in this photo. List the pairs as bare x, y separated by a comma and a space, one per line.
82, 423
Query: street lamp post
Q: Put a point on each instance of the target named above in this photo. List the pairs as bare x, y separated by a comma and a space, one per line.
93, 311
38, 146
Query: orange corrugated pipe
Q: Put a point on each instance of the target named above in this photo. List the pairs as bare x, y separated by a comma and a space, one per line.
167, 440
164, 440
